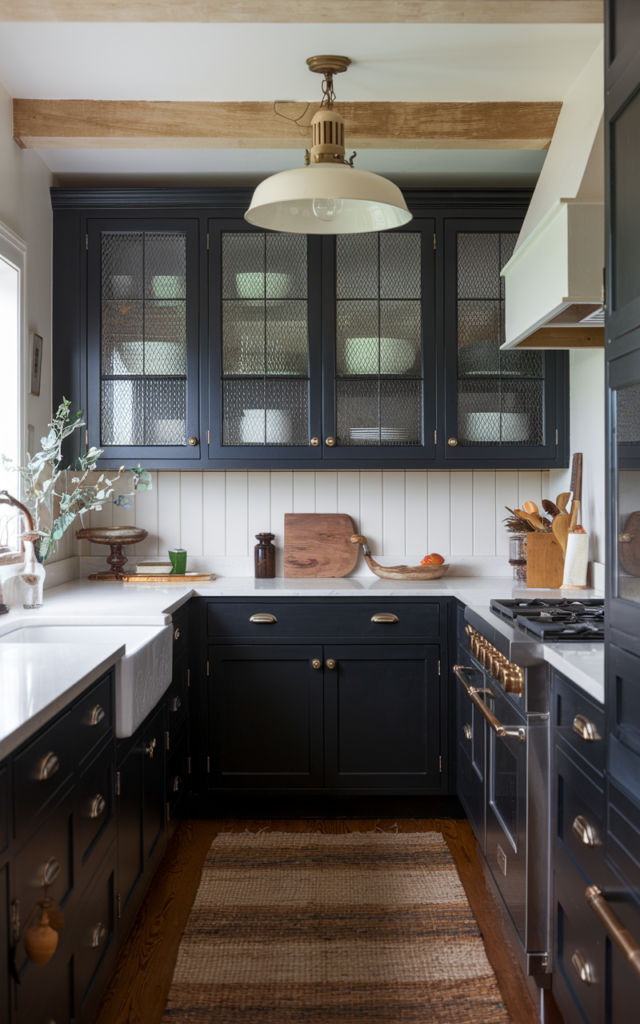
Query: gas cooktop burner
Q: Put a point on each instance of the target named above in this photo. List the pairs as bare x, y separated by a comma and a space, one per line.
556, 619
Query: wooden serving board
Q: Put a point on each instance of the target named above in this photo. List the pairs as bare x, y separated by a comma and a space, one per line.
141, 577
545, 561
318, 544
629, 545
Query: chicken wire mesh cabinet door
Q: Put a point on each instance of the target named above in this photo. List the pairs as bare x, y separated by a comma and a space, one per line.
265, 385
142, 359
379, 346
502, 408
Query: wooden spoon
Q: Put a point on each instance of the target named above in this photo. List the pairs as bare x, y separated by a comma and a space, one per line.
534, 521
562, 499
531, 508
551, 508
560, 528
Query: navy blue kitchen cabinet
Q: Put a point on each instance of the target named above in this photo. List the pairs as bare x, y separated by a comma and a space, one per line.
192, 340
326, 696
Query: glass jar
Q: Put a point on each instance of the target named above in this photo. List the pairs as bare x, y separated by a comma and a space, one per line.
518, 556
265, 557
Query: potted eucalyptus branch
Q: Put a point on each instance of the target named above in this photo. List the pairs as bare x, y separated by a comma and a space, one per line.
56, 496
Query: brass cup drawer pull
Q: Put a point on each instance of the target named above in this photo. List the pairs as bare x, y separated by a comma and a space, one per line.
98, 935
177, 783
150, 749
176, 633
98, 806
263, 618
614, 927
48, 766
582, 967
585, 832
585, 728
503, 731
468, 732
384, 617
49, 872
96, 715
176, 704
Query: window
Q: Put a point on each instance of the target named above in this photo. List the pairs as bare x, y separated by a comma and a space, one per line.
12, 350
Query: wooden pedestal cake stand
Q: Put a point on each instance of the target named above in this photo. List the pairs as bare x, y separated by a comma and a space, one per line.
116, 537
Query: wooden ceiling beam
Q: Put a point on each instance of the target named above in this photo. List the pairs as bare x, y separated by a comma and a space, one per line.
120, 124
316, 12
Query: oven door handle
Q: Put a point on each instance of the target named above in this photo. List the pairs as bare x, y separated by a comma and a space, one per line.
504, 731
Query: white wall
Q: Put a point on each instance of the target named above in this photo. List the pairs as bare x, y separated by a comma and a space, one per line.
25, 207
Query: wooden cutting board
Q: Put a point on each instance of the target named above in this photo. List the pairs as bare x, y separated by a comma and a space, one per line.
318, 544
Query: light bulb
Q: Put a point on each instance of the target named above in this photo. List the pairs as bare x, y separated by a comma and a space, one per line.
327, 209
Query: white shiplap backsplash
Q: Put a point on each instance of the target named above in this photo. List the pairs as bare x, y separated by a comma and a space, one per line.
404, 514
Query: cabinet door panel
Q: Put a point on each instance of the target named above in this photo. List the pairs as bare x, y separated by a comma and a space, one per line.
4, 943
471, 736
382, 717
130, 814
154, 746
265, 717
142, 338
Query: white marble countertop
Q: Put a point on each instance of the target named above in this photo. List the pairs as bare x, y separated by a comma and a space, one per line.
39, 680
582, 663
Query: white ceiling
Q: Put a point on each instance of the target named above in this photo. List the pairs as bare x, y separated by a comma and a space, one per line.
230, 62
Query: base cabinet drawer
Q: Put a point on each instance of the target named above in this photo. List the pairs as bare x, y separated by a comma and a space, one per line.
579, 982
382, 621
581, 815
95, 812
41, 771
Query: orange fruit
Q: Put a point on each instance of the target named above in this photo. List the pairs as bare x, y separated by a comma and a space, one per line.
436, 559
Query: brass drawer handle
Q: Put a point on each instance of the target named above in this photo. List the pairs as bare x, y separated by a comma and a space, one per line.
614, 927
177, 782
582, 967
468, 732
316, 663
98, 935
585, 832
384, 617
48, 767
176, 633
176, 704
150, 749
96, 715
49, 872
585, 728
98, 805
503, 731
265, 617
331, 663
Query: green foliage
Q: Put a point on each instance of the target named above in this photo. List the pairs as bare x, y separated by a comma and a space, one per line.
76, 496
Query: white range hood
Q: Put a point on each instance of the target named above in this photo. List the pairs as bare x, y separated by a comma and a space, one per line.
554, 280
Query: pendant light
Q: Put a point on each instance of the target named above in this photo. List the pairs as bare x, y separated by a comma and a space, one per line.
328, 196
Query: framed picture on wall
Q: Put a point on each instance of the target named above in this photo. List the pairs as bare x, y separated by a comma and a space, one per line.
36, 364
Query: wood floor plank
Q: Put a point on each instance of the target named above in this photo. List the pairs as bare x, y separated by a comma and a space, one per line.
140, 983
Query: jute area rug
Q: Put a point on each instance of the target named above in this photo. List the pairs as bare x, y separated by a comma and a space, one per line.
328, 929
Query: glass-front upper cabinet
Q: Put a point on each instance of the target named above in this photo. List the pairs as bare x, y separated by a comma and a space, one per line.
142, 357
499, 405
624, 530
379, 345
265, 333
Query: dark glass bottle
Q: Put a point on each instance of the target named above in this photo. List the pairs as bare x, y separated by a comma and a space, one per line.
265, 555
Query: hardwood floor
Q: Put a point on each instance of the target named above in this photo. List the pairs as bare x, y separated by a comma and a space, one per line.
140, 983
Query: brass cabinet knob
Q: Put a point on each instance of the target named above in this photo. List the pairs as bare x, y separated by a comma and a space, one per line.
176, 633
330, 441
585, 728
49, 872
585, 832
193, 441
331, 663
98, 806
314, 441
582, 967
96, 715
316, 663
98, 934
48, 766
468, 732
452, 441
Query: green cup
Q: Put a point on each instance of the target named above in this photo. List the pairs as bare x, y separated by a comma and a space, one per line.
178, 561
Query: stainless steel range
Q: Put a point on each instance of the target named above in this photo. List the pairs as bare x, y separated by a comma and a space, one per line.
506, 682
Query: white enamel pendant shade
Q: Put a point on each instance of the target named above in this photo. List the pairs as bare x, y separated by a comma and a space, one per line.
327, 199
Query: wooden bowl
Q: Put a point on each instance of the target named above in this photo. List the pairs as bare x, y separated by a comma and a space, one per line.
398, 572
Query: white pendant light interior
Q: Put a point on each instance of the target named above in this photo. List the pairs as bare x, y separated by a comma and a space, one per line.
329, 196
